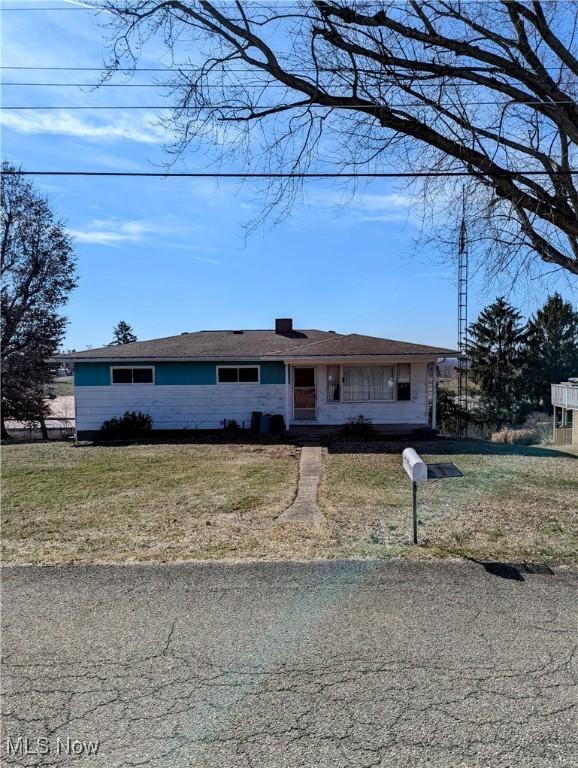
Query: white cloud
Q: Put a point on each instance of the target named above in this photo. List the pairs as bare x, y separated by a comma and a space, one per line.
112, 127
117, 232
365, 201
111, 232
387, 208
207, 261
382, 203
359, 207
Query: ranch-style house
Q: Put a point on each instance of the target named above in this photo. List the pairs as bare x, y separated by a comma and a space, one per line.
313, 379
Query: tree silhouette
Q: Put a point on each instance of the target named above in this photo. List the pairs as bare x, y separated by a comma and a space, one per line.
123, 334
495, 351
551, 354
38, 273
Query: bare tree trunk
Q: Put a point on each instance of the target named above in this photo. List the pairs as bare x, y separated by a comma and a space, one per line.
43, 428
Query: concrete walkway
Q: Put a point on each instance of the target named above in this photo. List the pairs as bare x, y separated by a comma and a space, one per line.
305, 507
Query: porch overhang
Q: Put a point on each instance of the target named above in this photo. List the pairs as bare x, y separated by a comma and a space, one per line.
362, 359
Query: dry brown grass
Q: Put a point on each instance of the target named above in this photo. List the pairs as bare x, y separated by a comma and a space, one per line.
183, 502
141, 502
513, 503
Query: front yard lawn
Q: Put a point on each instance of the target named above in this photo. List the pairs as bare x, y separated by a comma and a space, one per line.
141, 502
188, 501
513, 503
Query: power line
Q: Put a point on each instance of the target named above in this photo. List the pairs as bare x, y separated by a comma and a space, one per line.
117, 69
97, 8
68, 8
94, 8
360, 107
287, 175
90, 107
187, 68
260, 86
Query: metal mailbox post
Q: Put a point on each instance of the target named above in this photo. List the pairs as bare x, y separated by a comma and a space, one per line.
419, 472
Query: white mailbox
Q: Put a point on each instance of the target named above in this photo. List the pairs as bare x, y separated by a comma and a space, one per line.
419, 471
415, 467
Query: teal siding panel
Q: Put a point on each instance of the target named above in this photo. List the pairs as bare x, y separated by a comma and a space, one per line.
98, 374
186, 373
272, 373
91, 374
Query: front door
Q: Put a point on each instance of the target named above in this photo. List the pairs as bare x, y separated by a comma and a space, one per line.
304, 394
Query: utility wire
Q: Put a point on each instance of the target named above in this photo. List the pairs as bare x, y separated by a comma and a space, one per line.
101, 8
287, 175
267, 107
89, 7
260, 86
188, 68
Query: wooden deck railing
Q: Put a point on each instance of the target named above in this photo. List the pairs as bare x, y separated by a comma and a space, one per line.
565, 397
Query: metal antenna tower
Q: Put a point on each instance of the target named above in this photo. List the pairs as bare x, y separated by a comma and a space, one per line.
463, 324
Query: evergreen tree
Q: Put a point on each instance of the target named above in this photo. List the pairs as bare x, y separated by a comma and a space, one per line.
551, 354
123, 334
25, 393
495, 352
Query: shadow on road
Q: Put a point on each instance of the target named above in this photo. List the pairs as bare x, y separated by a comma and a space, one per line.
512, 571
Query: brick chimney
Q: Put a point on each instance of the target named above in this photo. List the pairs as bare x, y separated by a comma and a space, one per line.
284, 325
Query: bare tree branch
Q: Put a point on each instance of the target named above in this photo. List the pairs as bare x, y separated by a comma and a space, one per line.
489, 87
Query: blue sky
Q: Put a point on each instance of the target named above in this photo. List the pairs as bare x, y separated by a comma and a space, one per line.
171, 255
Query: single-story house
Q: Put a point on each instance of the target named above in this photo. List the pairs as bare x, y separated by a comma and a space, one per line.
312, 378
565, 412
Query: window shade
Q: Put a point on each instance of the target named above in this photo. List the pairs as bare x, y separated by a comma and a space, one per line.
373, 382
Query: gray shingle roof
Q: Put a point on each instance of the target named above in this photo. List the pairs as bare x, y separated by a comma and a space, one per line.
250, 345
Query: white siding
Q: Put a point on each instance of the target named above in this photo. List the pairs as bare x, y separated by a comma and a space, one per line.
412, 411
206, 406
178, 406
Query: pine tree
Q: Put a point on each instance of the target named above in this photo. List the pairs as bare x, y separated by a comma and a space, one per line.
123, 334
551, 353
495, 352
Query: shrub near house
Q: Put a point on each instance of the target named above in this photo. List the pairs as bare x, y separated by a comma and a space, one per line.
132, 425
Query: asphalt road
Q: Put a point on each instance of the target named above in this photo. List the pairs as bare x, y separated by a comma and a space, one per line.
270, 665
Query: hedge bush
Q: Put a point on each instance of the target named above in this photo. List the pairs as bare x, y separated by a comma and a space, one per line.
131, 425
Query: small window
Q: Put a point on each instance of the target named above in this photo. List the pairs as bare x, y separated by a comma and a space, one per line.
304, 377
231, 374
228, 375
122, 375
142, 376
404, 381
250, 375
333, 383
126, 375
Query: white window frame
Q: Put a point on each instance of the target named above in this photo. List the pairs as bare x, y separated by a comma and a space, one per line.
357, 365
238, 367
410, 383
131, 383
